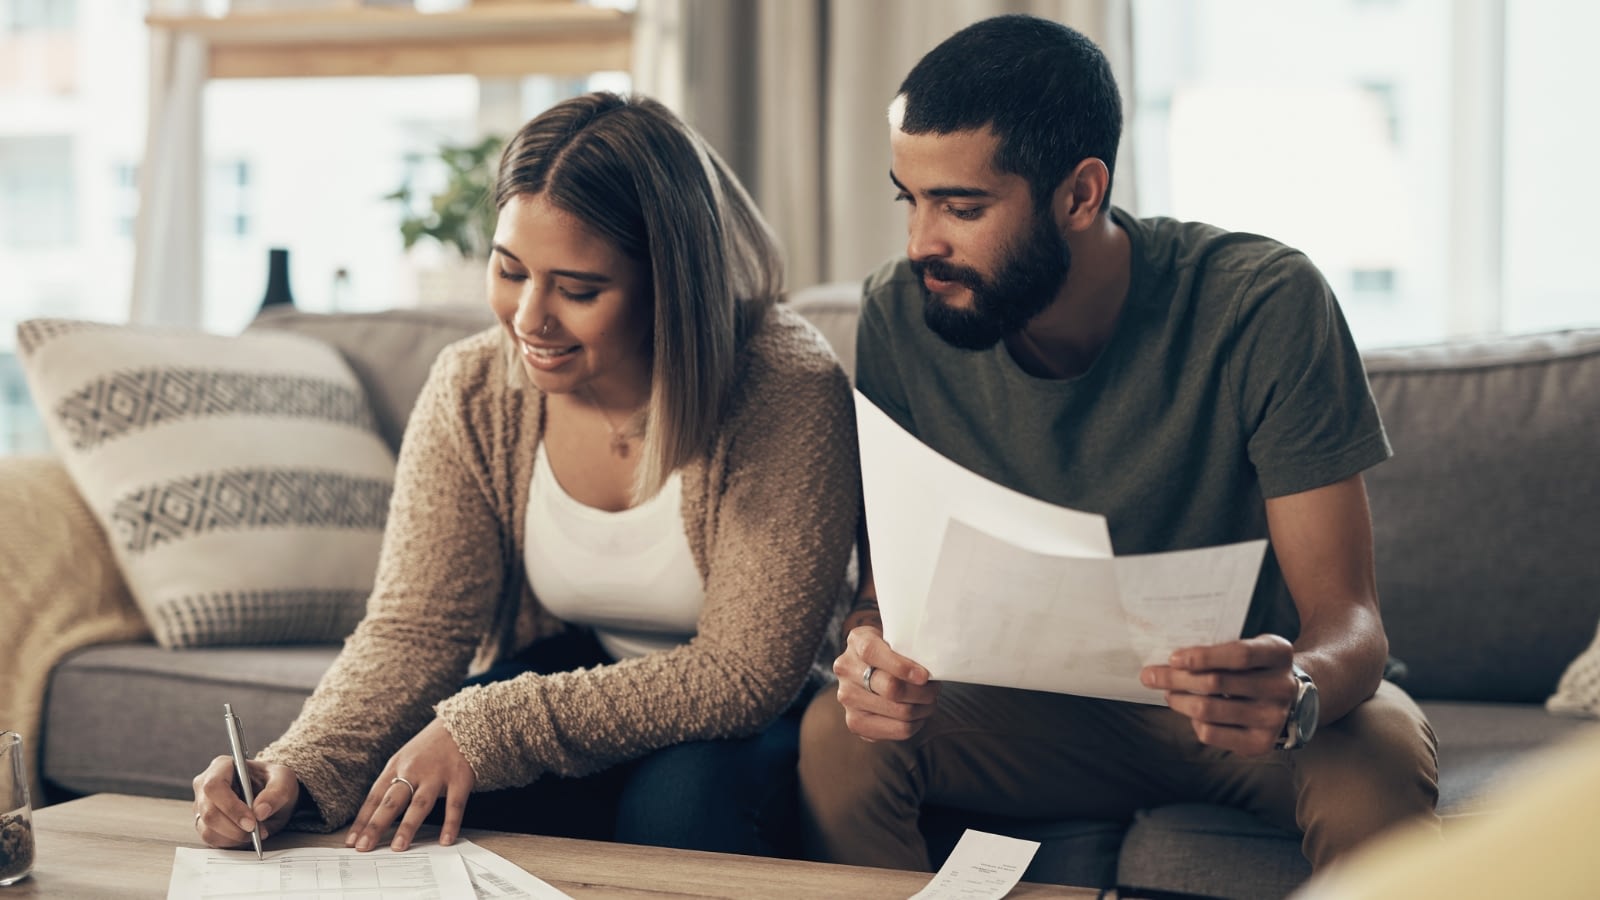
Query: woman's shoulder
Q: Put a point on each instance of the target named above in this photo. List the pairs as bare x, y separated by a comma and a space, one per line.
789, 378
473, 363
471, 385
787, 346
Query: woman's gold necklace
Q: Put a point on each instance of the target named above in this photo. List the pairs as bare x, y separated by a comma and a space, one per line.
619, 439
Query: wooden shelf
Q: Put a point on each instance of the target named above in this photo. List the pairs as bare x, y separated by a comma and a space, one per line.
494, 40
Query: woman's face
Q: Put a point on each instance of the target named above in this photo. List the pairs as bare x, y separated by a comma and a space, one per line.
577, 308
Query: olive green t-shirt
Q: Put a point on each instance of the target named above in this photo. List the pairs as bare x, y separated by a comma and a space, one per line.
1230, 377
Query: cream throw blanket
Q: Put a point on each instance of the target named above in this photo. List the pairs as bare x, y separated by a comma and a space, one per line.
60, 590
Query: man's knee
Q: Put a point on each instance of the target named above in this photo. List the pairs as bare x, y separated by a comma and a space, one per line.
834, 762
1371, 770
859, 802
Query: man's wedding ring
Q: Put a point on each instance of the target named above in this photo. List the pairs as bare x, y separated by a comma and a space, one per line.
399, 780
866, 679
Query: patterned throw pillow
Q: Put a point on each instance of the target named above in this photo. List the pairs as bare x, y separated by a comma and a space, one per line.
241, 480
1578, 692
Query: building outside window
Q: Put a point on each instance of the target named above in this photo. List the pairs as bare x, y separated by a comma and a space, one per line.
1431, 157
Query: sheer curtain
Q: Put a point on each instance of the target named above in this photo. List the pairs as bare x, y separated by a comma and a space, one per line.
168, 230
793, 94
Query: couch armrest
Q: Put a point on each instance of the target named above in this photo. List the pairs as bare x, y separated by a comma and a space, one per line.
60, 589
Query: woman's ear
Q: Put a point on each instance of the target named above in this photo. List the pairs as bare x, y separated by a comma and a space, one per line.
1078, 199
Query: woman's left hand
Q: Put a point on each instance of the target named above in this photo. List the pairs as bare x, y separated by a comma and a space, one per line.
428, 766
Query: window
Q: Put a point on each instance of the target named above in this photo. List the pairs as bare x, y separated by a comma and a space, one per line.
307, 164
298, 163
1551, 185
37, 198
1431, 157
228, 200
19, 16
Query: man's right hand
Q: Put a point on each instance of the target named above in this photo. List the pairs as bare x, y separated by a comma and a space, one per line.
900, 698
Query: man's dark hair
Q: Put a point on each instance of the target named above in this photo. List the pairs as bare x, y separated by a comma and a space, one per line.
1045, 89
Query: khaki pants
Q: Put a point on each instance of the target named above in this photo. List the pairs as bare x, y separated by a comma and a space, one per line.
1030, 754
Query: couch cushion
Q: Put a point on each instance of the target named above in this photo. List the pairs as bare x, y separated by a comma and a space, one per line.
389, 351
1482, 743
1484, 520
241, 480
1204, 849
1210, 851
167, 708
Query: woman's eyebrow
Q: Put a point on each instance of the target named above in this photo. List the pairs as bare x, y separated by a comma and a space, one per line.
578, 274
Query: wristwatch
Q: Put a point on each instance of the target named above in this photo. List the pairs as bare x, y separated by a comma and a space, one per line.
1303, 712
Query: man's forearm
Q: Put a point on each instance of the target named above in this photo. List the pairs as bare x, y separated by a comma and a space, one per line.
1345, 655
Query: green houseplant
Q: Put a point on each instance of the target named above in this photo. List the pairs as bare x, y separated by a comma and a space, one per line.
461, 216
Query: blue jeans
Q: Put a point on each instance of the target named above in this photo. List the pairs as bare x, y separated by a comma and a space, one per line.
728, 796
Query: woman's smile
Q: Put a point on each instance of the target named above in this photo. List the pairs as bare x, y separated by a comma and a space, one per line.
547, 357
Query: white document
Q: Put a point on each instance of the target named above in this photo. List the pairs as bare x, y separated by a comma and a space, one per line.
983, 866
912, 491
985, 585
494, 876
421, 873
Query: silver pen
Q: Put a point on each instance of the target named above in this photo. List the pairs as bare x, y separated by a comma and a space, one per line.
236, 742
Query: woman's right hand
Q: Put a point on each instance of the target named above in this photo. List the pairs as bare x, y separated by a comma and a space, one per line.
220, 814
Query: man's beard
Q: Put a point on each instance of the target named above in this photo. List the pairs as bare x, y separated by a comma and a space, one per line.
1026, 283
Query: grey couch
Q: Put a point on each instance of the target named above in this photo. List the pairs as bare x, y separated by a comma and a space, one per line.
1488, 571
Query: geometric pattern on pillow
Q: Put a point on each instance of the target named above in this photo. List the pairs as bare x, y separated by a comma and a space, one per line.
1578, 692
186, 507
34, 332
260, 617
128, 401
242, 480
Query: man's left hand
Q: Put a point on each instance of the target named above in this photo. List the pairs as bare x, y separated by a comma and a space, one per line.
1236, 695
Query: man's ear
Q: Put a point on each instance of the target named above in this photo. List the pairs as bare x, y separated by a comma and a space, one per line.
1079, 196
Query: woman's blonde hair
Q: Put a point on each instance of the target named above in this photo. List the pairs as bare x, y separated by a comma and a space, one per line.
631, 170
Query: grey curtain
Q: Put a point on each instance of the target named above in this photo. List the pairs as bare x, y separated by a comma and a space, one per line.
793, 94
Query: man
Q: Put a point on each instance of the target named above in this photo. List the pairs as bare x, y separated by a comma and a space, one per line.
1194, 386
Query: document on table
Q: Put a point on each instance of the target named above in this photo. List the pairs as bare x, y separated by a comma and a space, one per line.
982, 584
425, 872
494, 876
982, 866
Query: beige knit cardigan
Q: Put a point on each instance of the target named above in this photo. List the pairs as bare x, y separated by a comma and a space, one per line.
770, 514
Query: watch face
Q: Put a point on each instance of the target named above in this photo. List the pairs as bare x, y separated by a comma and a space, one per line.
1307, 713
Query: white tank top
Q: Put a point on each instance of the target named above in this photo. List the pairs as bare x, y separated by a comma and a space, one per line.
628, 574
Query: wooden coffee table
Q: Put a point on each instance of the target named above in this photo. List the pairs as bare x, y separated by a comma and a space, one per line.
112, 846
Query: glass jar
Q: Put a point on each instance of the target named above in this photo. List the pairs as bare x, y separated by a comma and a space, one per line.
16, 812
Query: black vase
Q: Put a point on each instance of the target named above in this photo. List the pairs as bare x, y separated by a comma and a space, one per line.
277, 279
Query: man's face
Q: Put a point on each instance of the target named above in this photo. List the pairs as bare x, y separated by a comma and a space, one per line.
989, 262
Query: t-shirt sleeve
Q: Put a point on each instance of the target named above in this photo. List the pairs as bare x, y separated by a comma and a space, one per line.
1304, 402
878, 375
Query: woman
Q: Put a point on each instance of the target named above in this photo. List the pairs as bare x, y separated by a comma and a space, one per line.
644, 480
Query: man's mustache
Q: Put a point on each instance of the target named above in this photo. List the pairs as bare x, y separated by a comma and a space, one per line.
944, 271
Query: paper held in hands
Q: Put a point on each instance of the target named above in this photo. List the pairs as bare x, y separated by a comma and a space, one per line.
982, 584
